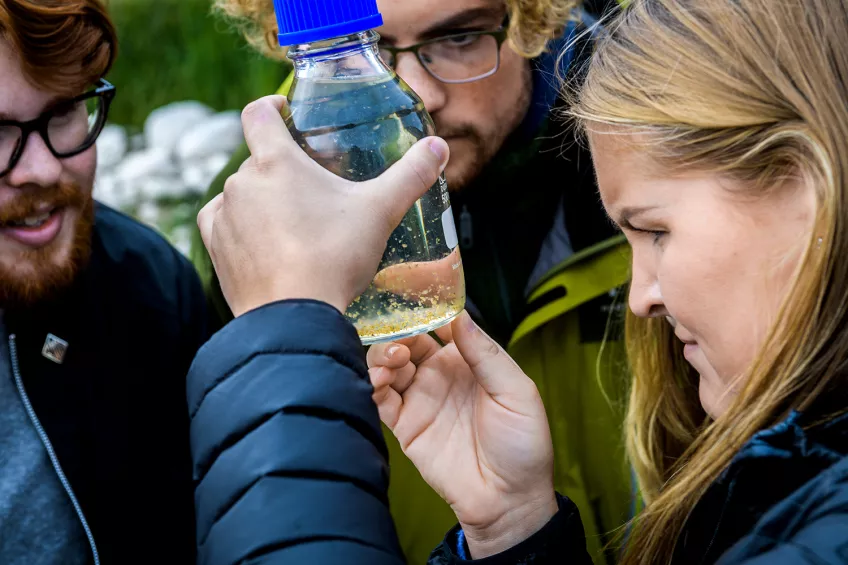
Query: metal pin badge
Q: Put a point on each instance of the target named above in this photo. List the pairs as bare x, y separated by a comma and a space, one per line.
54, 349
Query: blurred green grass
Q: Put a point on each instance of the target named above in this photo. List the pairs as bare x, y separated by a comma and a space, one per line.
172, 50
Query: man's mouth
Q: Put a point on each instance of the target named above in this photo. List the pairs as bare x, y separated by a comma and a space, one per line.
35, 221
35, 230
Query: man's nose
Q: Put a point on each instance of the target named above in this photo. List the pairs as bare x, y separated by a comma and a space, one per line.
429, 88
37, 165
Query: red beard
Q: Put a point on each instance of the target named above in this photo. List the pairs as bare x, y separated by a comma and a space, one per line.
49, 276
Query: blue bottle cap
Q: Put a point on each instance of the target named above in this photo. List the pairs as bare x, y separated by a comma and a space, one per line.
305, 21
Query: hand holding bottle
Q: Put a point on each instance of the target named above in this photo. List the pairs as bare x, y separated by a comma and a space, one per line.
284, 225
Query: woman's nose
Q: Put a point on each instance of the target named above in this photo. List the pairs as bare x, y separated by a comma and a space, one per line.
645, 296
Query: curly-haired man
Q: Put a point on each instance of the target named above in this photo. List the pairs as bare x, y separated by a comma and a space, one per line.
542, 263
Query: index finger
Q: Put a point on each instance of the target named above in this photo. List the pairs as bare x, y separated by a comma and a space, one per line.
391, 355
417, 349
265, 130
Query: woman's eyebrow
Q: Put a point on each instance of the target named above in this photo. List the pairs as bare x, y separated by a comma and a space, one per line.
626, 214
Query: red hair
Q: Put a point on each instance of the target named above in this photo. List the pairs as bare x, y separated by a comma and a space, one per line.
63, 45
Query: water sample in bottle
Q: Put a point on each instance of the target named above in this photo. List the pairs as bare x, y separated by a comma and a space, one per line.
352, 114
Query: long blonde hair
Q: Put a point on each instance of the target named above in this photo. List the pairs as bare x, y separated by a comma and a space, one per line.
532, 23
755, 90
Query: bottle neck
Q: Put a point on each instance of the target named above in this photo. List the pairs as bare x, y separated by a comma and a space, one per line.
346, 57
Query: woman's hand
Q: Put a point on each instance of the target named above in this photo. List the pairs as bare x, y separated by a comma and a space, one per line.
475, 427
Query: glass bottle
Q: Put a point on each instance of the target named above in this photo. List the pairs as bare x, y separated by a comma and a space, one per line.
352, 114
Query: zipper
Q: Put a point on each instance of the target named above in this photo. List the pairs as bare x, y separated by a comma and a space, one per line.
54, 460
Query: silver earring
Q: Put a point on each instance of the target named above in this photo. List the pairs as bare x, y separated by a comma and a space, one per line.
819, 242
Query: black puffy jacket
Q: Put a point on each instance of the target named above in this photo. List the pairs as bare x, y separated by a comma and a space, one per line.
291, 465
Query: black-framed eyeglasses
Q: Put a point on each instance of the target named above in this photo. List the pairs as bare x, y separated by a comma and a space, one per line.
456, 58
68, 129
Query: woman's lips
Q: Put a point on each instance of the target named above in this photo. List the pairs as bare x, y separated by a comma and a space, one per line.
689, 350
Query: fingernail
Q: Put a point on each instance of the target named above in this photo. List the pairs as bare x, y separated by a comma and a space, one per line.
390, 352
440, 149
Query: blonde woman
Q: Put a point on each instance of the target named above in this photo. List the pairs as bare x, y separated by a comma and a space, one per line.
718, 130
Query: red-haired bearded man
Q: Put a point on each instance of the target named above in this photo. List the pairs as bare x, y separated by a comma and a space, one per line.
99, 319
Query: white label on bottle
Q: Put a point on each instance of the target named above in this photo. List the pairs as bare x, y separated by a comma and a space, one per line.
450, 229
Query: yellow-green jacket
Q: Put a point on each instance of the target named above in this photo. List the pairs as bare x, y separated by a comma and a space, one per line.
553, 324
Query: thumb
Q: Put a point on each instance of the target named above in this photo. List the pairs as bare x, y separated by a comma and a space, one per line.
493, 368
397, 189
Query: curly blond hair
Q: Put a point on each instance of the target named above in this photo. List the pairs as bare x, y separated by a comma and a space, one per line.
532, 23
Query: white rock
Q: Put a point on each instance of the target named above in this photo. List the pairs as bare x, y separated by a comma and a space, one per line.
181, 239
137, 142
198, 175
111, 146
216, 163
194, 177
166, 125
108, 191
143, 164
221, 133
149, 213
161, 186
